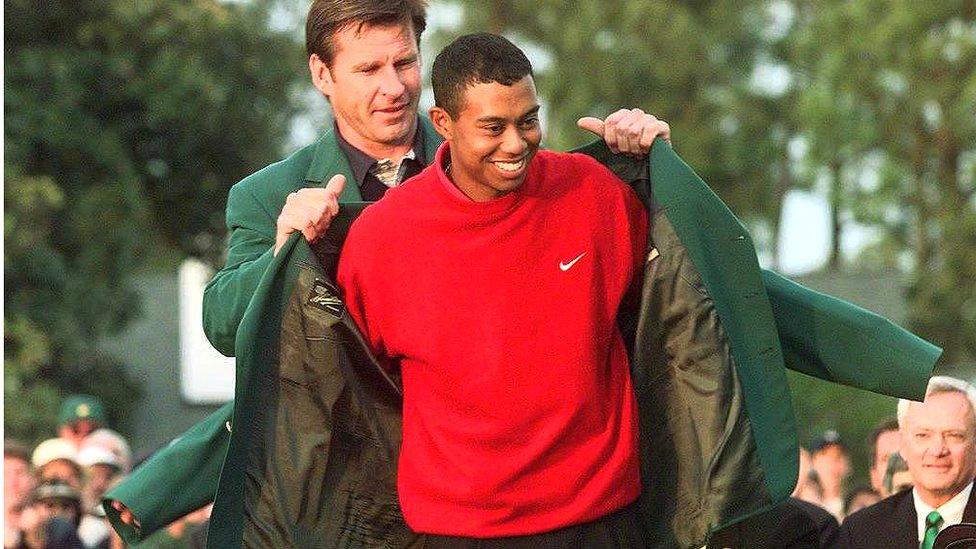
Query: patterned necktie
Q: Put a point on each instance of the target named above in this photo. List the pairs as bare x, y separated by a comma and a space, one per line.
932, 522
390, 173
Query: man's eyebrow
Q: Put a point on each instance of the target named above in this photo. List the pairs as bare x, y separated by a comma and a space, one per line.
490, 119
365, 65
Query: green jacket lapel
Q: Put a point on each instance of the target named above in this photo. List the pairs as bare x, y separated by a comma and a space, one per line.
328, 160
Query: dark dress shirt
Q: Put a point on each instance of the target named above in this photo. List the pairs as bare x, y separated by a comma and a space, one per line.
361, 164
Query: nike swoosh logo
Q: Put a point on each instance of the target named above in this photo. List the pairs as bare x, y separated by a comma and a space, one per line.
566, 266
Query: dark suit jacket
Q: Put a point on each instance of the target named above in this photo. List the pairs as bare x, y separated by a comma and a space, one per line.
890, 524
794, 524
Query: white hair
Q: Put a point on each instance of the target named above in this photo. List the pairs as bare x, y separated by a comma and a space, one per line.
942, 384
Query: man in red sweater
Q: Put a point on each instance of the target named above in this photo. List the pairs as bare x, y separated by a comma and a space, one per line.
492, 281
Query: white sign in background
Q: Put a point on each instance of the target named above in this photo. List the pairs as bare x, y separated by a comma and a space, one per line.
206, 376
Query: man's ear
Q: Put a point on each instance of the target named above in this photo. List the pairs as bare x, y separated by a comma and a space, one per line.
443, 122
321, 75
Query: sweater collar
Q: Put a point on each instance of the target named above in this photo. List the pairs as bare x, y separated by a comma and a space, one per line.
461, 200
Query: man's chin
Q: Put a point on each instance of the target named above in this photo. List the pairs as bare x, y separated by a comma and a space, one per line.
398, 130
940, 486
508, 185
396, 136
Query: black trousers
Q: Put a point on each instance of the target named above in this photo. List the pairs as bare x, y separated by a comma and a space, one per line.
618, 530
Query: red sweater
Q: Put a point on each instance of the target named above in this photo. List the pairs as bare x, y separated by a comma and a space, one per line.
518, 411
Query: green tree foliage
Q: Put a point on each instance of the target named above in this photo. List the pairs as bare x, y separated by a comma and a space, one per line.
687, 62
888, 107
125, 125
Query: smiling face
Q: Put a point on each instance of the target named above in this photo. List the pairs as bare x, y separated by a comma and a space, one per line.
493, 138
373, 85
938, 441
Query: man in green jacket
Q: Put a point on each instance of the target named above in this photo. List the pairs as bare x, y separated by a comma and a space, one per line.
363, 57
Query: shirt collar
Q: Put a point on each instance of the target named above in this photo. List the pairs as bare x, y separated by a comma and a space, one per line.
951, 510
360, 162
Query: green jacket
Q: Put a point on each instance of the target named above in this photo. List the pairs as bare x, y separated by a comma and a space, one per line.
316, 429
252, 213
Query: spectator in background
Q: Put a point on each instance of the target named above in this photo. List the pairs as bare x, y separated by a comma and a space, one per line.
897, 476
50, 519
80, 416
859, 498
938, 442
17, 485
113, 442
102, 467
105, 455
57, 459
832, 464
57, 499
807, 484
884, 442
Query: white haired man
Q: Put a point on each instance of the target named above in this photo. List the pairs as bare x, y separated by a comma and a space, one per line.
938, 441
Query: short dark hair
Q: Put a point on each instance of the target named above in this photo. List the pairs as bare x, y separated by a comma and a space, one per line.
327, 17
479, 58
888, 424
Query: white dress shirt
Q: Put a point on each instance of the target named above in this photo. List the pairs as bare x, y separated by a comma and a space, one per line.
951, 510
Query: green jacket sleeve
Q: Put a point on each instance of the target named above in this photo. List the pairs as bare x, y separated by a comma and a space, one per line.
175, 481
834, 340
252, 237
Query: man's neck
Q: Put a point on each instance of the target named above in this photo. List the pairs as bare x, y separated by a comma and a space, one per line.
393, 151
471, 191
831, 490
933, 501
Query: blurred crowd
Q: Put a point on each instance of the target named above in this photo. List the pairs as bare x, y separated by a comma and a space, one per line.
918, 491
825, 472
52, 493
